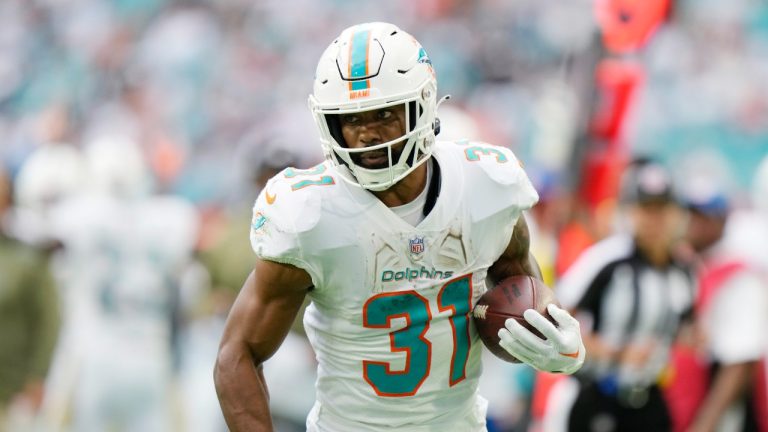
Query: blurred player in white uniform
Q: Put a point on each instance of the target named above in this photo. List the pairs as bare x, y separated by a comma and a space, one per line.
392, 238
123, 252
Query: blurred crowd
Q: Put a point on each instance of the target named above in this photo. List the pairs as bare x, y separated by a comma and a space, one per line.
136, 135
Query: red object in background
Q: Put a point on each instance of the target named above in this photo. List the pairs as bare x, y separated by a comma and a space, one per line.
601, 177
542, 387
617, 85
688, 386
627, 25
166, 158
433, 9
573, 240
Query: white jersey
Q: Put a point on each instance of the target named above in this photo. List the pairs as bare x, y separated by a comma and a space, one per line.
118, 270
390, 314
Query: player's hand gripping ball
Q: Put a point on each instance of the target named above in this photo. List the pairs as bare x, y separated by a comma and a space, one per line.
519, 320
510, 298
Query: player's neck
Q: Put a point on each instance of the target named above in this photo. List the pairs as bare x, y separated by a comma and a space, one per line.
407, 189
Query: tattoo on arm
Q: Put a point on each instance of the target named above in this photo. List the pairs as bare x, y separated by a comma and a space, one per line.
517, 258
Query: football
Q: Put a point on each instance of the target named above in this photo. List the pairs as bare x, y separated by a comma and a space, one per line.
509, 299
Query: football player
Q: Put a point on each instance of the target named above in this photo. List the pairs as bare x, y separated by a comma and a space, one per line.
392, 238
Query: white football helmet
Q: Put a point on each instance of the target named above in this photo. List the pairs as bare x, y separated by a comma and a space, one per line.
54, 172
117, 167
368, 67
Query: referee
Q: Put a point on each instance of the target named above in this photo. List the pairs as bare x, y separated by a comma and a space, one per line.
631, 298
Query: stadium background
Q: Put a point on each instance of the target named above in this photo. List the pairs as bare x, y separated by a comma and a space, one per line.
212, 93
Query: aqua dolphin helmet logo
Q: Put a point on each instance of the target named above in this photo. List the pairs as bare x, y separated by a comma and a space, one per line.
423, 57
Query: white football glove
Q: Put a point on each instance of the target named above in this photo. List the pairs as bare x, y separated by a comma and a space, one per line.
562, 352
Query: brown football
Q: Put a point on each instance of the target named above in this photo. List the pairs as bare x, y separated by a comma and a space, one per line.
509, 299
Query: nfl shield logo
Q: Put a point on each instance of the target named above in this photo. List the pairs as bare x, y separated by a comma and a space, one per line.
416, 246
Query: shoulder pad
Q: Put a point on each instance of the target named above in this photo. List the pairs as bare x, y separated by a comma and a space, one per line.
496, 178
290, 204
290, 210
499, 163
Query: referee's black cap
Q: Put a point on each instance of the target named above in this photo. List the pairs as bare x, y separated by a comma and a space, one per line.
647, 182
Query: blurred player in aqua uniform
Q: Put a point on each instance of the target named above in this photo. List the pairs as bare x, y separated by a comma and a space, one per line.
392, 238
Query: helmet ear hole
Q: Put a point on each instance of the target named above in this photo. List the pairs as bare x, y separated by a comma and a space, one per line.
413, 116
334, 127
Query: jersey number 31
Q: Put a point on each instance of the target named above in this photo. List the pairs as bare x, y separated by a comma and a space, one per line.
379, 311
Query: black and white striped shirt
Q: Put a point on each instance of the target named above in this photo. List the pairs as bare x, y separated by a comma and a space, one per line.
621, 297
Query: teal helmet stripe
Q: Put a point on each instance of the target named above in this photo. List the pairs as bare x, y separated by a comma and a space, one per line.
358, 60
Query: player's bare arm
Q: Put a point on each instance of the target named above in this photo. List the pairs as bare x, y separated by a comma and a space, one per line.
257, 324
563, 350
727, 386
517, 258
